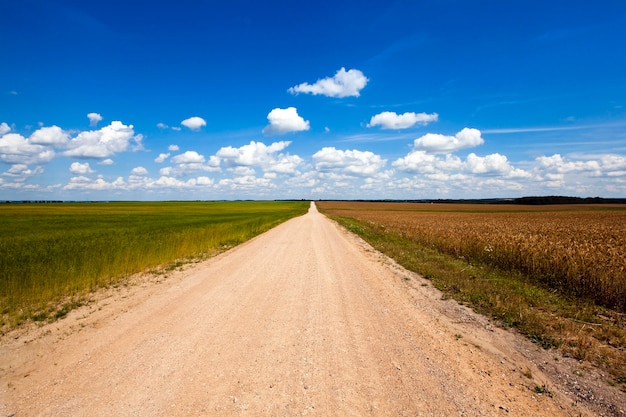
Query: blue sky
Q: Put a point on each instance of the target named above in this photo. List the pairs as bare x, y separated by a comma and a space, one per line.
159, 100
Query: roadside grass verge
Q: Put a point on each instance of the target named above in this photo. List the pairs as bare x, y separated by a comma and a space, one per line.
577, 326
53, 255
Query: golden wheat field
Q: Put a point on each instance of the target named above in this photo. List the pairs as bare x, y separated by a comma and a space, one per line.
579, 250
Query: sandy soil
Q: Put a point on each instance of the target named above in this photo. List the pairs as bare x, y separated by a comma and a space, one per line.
302, 320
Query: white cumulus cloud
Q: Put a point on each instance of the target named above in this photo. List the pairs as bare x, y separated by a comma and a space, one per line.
426, 163
190, 162
189, 157
448, 166
257, 154
20, 172
167, 181
246, 183
284, 121
99, 184
204, 181
161, 158
4, 128
284, 164
80, 169
52, 135
16, 149
560, 164
94, 118
342, 84
139, 171
351, 162
194, 123
436, 143
102, 143
493, 164
392, 120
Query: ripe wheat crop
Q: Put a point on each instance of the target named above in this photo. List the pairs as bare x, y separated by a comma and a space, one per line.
578, 250
555, 273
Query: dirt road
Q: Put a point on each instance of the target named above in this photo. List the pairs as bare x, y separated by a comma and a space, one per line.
302, 320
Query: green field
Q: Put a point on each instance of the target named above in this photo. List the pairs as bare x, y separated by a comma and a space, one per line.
52, 255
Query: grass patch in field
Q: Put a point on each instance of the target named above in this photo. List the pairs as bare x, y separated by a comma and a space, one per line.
543, 390
55, 252
576, 326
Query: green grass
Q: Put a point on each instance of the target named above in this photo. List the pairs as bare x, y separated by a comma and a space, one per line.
543, 389
52, 253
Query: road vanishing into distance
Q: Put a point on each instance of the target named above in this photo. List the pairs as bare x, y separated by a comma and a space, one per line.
305, 319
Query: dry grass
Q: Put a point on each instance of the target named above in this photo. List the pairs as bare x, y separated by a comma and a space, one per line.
580, 251
556, 273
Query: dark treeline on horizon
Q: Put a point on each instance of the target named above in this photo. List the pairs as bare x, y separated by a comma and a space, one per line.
539, 200
533, 200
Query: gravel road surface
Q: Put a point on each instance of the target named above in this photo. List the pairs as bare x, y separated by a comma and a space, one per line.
305, 319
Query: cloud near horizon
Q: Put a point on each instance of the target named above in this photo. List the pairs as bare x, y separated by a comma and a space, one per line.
109, 140
44, 143
16, 149
190, 162
259, 155
21, 172
430, 167
437, 143
350, 162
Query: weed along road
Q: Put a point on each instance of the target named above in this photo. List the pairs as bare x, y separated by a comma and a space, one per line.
302, 320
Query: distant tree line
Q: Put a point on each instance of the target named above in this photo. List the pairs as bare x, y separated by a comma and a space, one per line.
31, 201
567, 200
539, 200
